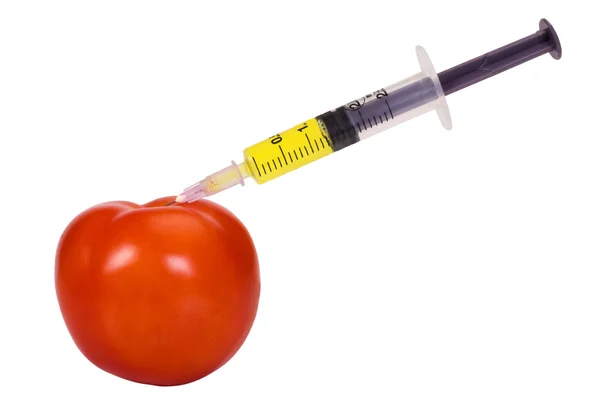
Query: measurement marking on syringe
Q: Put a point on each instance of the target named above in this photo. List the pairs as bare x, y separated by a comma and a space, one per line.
385, 114
370, 125
388, 105
301, 155
280, 164
309, 143
380, 119
363, 119
317, 145
322, 142
263, 167
296, 155
306, 149
282, 153
256, 165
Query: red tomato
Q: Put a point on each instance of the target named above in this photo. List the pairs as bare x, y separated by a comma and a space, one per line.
155, 294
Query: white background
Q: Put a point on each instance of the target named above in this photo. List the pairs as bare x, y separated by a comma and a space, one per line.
418, 266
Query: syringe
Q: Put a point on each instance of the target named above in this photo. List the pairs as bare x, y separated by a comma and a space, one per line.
355, 121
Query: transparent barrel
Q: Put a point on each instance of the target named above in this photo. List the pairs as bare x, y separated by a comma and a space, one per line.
387, 107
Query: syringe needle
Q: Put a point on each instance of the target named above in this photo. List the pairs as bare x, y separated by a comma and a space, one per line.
215, 183
170, 203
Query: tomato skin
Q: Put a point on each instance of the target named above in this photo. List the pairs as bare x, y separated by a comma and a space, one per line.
157, 295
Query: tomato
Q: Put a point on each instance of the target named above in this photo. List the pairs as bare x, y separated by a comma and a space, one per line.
156, 294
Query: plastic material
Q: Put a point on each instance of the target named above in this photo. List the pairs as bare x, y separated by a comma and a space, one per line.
545, 40
442, 109
215, 183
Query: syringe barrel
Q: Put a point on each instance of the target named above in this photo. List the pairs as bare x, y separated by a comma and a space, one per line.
348, 124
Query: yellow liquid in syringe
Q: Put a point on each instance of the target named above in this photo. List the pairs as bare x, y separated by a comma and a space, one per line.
286, 151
